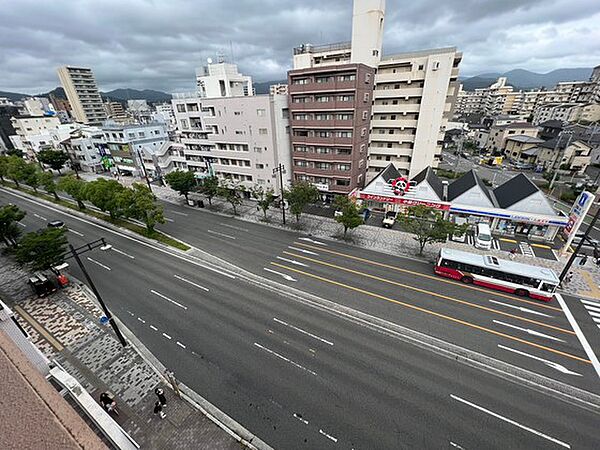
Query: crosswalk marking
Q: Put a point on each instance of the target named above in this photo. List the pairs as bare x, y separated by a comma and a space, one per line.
593, 309
496, 244
526, 249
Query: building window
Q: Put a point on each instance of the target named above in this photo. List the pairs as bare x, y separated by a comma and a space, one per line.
297, 148
300, 81
323, 98
421, 66
365, 115
261, 112
344, 182
346, 98
237, 113
262, 131
323, 150
343, 134
181, 108
344, 167
350, 77
367, 77
325, 79
366, 97
239, 132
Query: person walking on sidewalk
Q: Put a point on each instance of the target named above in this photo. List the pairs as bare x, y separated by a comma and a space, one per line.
161, 396
512, 253
158, 410
583, 260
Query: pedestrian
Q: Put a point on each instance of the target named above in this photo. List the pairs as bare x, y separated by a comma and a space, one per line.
513, 253
568, 277
583, 260
158, 410
161, 396
597, 254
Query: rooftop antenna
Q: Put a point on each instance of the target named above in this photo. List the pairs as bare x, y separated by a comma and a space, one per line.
231, 51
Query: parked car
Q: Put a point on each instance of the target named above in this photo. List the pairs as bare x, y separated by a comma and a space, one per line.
460, 237
483, 236
389, 219
41, 285
56, 224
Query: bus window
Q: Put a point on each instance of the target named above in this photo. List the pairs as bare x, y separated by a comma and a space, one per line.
547, 287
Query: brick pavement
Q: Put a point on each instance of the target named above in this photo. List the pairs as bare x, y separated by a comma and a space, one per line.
65, 326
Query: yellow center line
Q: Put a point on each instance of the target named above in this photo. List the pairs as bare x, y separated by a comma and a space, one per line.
431, 277
512, 241
39, 328
433, 313
541, 246
435, 294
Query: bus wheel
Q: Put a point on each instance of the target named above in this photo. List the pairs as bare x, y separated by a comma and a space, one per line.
466, 280
521, 292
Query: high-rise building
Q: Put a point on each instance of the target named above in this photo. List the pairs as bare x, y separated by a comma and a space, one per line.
81, 89
412, 103
222, 80
330, 95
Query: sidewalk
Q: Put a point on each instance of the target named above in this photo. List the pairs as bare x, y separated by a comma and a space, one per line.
65, 327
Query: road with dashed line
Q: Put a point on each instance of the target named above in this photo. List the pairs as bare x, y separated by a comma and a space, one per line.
300, 377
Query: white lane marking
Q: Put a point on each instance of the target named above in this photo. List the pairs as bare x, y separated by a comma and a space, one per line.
168, 219
233, 227
180, 344
284, 275
590, 305
593, 313
456, 446
187, 258
153, 327
141, 320
512, 422
591, 302
190, 282
179, 213
40, 217
328, 436
120, 252
528, 331
308, 252
168, 299
284, 358
75, 232
300, 330
292, 261
22, 224
584, 343
99, 263
167, 336
520, 308
552, 364
221, 234
313, 241
299, 417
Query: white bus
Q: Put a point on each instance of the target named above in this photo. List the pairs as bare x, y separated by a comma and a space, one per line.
486, 270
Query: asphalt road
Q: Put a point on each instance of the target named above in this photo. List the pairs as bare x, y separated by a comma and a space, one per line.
302, 378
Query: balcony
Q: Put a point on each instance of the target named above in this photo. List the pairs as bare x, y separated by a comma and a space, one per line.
329, 124
317, 106
398, 93
321, 140
398, 123
332, 86
386, 137
398, 76
397, 109
312, 171
329, 157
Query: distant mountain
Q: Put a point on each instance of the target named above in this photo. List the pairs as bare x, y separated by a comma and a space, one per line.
13, 96
149, 95
524, 79
263, 88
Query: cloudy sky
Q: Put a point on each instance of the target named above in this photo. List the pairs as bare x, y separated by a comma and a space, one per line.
157, 44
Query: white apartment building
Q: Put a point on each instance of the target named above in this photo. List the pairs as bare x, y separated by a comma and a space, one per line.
279, 88
35, 133
222, 80
240, 138
37, 106
83, 147
564, 112
81, 89
164, 113
412, 102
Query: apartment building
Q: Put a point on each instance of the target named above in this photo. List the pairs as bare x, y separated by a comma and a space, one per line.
116, 112
279, 88
35, 133
412, 102
222, 80
241, 138
81, 90
83, 146
496, 141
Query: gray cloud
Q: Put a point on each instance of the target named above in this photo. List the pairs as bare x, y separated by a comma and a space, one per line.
159, 43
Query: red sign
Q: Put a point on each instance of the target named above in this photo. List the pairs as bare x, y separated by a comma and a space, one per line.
404, 201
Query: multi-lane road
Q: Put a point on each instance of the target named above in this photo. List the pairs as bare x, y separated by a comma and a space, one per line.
299, 376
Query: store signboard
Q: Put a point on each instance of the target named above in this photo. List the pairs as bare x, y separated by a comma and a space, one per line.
404, 201
578, 212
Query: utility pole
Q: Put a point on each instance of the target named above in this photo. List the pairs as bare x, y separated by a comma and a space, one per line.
281, 170
559, 156
75, 252
144, 169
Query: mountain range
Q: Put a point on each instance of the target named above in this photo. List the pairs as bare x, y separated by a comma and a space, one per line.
118, 95
524, 79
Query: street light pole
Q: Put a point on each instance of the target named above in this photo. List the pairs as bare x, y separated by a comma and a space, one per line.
144, 169
281, 170
559, 156
75, 254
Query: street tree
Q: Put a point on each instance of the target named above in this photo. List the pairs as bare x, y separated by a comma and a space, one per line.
209, 187
75, 187
350, 217
144, 206
108, 196
31, 176
181, 181
264, 198
16, 169
232, 194
43, 249
428, 225
9, 231
300, 196
3, 167
48, 183
56, 159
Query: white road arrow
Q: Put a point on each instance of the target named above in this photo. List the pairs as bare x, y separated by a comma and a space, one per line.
301, 250
528, 331
520, 308
284, 275
310, 240
292, 261
552, 364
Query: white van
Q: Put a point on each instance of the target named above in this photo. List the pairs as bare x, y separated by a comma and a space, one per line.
483, 236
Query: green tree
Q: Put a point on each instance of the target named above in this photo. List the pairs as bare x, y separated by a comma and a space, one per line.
3, 167
31, 176
16, 169
108, 196
43, 249
75, 187
232, 193
350, 217
56, 159
9, 231
209, 187
48, 183
264, 198
300, 196
145, 207
428, 225
182, 182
